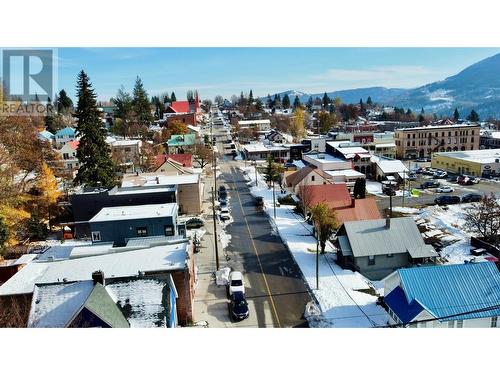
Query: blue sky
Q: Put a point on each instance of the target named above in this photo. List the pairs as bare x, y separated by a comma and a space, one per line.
228, 71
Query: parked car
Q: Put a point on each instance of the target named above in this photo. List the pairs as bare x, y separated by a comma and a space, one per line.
412, 177
195, 222
464, 180
224, 214
429, 184
440, 174
236, 283
475, 180
447, 199
445, 189
238, 306
471, 197
259, 201
222, 188
223, 204
422, 160
223, 195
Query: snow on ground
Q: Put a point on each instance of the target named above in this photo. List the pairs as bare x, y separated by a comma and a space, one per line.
374, 187
342, 294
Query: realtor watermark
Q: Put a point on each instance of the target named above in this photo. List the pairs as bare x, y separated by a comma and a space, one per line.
28, 81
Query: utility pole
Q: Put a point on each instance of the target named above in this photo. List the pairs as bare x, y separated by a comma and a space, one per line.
390, 198
256, 184
215, 232
318, 231
274, 201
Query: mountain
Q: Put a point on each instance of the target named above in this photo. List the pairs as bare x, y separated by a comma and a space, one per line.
476, 87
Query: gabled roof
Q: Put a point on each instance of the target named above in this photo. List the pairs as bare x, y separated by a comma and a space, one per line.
66, 131
57, 305
454, 289
186, 160
396, 300
74, 144
297, 177
373, 237
182, 140
334, 195
180, 106
363, 209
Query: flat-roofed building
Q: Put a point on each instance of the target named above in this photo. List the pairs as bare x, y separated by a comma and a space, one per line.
479, 163
423, 141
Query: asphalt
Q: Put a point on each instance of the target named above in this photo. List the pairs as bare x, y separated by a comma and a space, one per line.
274, 278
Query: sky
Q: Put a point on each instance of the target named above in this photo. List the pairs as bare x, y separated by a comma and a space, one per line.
228, 71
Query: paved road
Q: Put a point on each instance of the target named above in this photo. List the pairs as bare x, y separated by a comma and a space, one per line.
272, 277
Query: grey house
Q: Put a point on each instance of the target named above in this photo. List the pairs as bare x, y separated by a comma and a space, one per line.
376, 248
116, 224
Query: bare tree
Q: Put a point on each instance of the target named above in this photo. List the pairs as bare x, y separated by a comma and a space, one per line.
202, 155
483, 218
306, 197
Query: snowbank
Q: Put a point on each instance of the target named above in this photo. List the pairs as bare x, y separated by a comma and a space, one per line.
342, 294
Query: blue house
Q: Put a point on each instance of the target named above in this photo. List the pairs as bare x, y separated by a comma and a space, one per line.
454, 296
64, 136
117, 224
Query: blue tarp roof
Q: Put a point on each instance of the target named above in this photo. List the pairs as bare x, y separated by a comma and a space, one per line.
405, 311
453, 289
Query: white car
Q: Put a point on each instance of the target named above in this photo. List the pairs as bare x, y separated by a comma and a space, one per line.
224, 214
444, 189
236, 283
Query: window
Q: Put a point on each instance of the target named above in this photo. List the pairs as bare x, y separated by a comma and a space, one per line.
371, 260
169, 230
460, 323
96, 236
390, 255
494, 321
451, 324
142, 231
65, 156
312, 178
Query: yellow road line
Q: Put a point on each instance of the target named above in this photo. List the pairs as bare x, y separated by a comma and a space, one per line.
258, 258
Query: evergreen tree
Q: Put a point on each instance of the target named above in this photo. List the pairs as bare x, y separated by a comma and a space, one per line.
422, 112
190, 96
369, 101
359, 188
286, 101
326, 100
250, 97
123, 102
64, 103
258, 105
93, 153
269, 101
4, 234
140, 103
172, 97
362, 106
473, 117
309, 103
409, 112
296, 102
456, 115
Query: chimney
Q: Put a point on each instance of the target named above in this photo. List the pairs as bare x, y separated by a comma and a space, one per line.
98, 277
157, 180
388, 222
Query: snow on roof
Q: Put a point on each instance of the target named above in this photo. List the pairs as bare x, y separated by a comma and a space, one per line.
323, 158
135, 212
143, 189
438, 127
478, 156
126, 142
346, 173
66, 131
159, 179
160, 258
250, 122
388, 166
383, 145
261, 147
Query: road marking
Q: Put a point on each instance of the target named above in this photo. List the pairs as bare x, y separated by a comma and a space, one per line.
257, 254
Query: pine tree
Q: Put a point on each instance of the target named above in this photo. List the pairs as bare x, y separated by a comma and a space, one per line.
369, 100
140, 103
286, 101
473, 117
258, 105
326, 100
93, 153
64, 103
456, 115
250, 97
296, 102
172, 97
269, 101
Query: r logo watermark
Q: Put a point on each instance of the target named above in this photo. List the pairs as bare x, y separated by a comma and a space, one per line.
28, 81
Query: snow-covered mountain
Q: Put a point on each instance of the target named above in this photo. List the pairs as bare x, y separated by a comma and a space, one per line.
476, 87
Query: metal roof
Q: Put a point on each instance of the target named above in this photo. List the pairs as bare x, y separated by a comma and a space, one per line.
372, 237
396, 300
454, 289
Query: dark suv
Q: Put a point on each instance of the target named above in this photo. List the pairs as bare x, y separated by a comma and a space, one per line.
429, 184
472, 197
447, 199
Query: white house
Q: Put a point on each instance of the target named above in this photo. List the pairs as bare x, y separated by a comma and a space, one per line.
452, 296
68, 155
